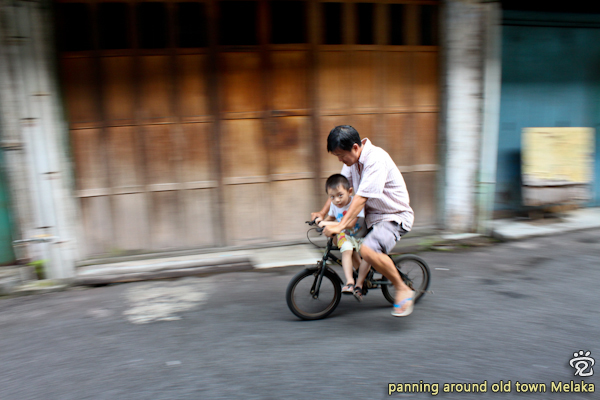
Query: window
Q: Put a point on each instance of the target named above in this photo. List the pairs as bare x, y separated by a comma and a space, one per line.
429, 22
397, 24
288, 22
364, 14
238, 23
332, 16
191, 25
74, 27
113, 19
152, 25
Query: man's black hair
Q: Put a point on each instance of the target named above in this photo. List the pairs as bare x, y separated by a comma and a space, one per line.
342, 137
336, 180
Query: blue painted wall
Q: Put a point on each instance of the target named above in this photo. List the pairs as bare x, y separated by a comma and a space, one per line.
550, 77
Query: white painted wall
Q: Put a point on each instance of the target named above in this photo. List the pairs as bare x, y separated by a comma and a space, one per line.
38, 166
461, 129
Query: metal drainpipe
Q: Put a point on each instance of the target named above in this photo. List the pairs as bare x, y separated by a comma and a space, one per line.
486, 184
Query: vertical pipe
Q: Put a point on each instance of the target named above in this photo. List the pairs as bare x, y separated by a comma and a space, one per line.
491, 115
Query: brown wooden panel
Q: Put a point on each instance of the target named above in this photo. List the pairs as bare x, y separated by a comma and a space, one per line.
367, 127
131, 222
90, 170
292, 201
290, 79
155, 84
364, 82
425, 138
290, 145
241, 82
421, 189
247, 213
160, 153
329, 163
426, 79
166, 229
333, 88
243, 149
398, 128
80, 89
197, 152
397, 87
191, 84
97, 225
124, 157
118, 93
198, 206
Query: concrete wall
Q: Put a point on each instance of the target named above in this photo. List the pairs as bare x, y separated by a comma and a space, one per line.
34, 138
462, 42
550, 78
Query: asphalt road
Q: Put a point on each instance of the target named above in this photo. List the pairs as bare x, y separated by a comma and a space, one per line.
508, 312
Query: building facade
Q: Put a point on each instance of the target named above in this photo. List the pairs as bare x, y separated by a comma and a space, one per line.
140, 127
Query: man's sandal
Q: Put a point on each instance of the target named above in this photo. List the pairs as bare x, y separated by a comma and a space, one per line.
397, 307
358, 293
348, 289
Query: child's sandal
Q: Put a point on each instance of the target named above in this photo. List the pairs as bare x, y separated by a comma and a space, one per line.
358, 293
348, 289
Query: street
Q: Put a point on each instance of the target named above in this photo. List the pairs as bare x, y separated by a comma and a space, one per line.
514, 311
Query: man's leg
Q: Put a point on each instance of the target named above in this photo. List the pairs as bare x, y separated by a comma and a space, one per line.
385, 266
374, 250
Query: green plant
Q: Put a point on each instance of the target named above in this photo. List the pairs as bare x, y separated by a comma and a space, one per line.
40, 268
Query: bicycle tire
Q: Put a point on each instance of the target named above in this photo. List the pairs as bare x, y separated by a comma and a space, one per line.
416, 276
301, 302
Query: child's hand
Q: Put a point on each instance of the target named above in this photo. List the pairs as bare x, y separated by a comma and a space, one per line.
317, 220
321, 223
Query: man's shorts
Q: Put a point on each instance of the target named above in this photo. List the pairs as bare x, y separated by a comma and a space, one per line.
383, 236
347, 242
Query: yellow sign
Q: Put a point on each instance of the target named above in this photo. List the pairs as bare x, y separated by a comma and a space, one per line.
557, 156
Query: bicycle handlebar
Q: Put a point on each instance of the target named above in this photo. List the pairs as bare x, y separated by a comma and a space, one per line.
312, 223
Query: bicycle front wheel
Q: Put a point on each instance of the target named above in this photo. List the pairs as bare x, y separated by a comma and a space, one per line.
415, 273
300, 294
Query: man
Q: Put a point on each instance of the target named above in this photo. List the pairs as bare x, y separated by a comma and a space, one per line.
379, 188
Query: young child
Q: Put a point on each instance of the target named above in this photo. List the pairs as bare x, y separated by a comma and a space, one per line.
349, 240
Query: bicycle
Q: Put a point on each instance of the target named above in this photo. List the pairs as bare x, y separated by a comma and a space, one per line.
315, 292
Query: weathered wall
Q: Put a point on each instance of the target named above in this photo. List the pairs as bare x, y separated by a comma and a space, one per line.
463, 62
550, 78
33, 137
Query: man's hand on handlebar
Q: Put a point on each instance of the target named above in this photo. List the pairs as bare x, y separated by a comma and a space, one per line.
331, 230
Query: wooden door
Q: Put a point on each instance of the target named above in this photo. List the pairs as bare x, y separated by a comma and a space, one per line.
382, 78
203, 123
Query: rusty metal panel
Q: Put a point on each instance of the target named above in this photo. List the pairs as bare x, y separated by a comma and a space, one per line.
557, 165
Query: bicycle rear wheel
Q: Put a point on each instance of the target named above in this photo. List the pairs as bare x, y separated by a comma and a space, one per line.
300, 298
415, 273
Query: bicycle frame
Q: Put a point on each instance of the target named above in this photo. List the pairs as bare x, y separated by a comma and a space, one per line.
328, 256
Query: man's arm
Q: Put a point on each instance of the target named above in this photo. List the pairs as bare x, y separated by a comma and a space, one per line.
324, 211
329, 220
357, 204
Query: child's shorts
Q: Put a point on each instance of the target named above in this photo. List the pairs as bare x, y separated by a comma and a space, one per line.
347, 242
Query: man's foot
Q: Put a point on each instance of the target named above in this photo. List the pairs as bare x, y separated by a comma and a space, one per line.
405, 306
348, 289
358, 293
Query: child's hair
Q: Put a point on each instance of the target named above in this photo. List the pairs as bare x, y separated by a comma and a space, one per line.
336, 180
